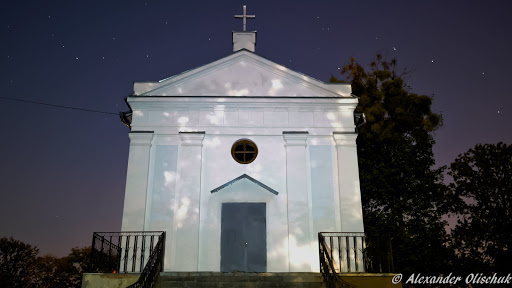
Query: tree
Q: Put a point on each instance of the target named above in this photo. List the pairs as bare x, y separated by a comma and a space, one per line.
403, 196
79, 262
48, 272
16, 263
482, 178
62, 272
21, 267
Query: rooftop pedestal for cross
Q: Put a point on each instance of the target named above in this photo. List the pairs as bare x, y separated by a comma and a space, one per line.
244, 39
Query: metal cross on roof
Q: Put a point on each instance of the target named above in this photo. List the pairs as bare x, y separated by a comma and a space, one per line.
244, 17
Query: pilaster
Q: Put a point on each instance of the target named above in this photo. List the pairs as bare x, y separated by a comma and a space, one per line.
351, 211
137, 180
299, 238
188, 191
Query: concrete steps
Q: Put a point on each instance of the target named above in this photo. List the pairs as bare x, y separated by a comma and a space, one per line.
239, 279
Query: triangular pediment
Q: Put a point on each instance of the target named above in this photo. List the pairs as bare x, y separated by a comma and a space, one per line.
241, 178
242, 73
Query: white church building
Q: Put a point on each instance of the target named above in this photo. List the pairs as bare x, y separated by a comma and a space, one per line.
242, 162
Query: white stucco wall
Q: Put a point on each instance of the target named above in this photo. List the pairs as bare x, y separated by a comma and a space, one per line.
171, 174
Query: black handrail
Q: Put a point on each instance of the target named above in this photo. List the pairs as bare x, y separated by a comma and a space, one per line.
105, 255
356, 252
127, 252
327, 268
378, 256
123, 252
153, 267
353, 252
347, 250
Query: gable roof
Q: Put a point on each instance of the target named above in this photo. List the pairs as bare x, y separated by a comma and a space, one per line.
242, 73
245, 176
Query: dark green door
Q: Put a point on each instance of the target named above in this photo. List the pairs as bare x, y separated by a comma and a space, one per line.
243, 237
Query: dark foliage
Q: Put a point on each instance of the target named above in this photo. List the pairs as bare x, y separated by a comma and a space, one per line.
403, 196
17, 261
482, 177
21, 267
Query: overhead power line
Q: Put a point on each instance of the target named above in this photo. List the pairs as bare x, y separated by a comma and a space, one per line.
59, 106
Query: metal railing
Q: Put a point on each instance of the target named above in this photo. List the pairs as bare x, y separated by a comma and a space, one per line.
124, 252
153, 267
105, 255
346, 249
378, 256
327, 266
352, 252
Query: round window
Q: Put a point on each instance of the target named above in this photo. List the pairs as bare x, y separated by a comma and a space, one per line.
244, 151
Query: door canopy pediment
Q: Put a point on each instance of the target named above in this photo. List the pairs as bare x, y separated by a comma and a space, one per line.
242, 73
245, 176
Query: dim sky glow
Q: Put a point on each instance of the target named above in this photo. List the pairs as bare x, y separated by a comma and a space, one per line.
63, 171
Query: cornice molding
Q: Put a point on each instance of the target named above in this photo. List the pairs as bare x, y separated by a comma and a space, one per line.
295, 138
192, 138
345, 138
140, 138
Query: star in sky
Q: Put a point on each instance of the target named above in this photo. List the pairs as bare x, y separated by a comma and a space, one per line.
24, 24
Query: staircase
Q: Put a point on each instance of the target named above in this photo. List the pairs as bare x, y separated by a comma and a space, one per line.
239, 279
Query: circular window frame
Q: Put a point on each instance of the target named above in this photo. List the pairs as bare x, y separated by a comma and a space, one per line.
244, 142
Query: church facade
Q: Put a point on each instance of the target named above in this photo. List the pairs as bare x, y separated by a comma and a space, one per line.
242, 162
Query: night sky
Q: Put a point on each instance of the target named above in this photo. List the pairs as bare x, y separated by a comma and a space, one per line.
63, 171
